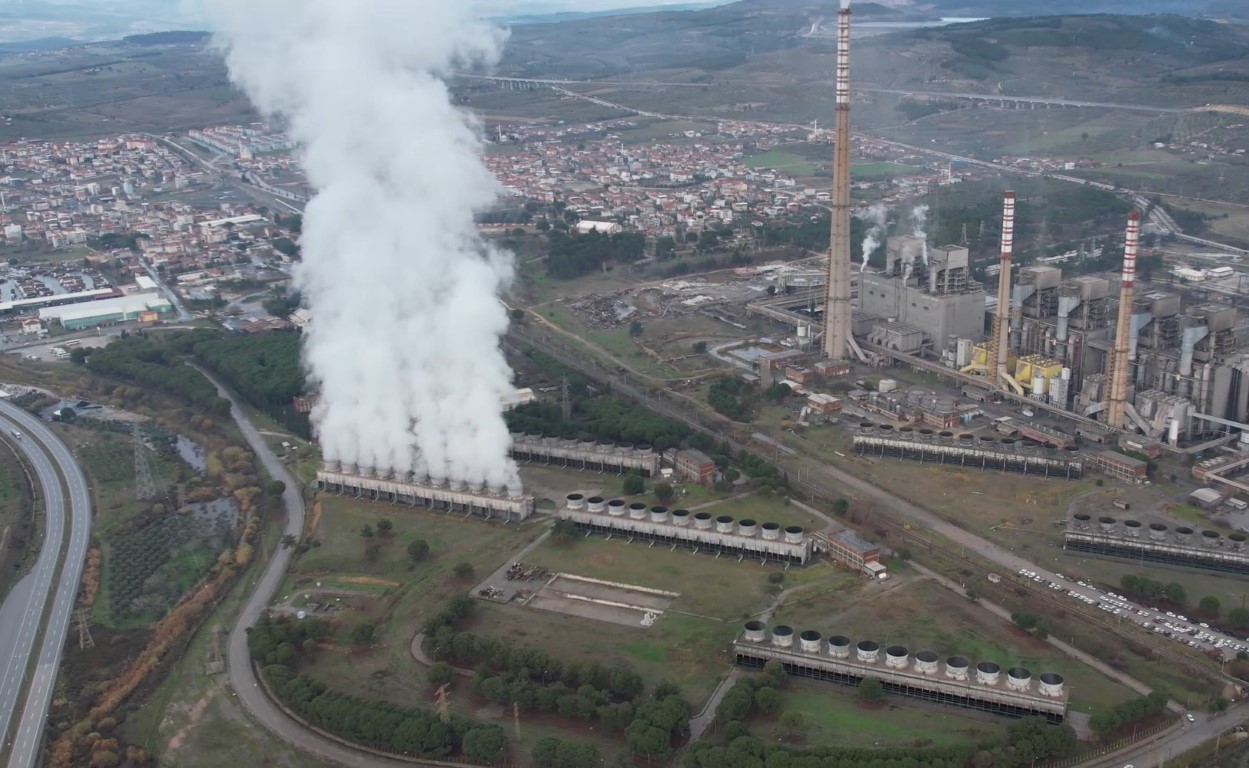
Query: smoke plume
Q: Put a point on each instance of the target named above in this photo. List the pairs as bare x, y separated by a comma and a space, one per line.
919, 214
404, 341
875, 218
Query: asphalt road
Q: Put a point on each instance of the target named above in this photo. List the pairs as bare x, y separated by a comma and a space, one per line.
52, 461
242, 676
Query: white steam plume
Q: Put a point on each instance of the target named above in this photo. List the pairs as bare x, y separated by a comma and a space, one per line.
875, 218
919, 214
404, 342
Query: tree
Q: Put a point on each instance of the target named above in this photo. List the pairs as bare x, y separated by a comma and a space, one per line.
840, 507
289, 541
870, 689
633, 485
1210, 605
364, 632
484, 745
516, 315
1239, 618
464, 570
663, 491
635, 328
1176, 594
366, 532
700, 347
78, 355
373, 552
418, 550
385, 528
1025, 621
543, 225
275, 488
767, 699
792, 721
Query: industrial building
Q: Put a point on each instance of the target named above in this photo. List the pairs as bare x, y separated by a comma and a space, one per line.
74, 317
1007, 455
1156, 543
925, 296
835, 660
433, 492
699, 531
1118, 465
585, 454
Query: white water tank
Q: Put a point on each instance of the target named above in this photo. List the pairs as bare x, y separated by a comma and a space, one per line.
596, 504
1050, 685
839, 647
897, 657
987, 673
616, 508
868, 651
574, 502
1018, 679
926, 663
809, 641
956, 668
782, 636
756, 631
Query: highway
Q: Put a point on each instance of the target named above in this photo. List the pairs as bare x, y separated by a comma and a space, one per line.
25, 694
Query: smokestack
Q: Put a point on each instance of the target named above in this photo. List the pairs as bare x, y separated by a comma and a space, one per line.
999, 347
837, 304
1118, 363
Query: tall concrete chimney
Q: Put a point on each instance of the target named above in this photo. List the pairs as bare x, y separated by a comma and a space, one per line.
1118, 362
999, 347
837, 305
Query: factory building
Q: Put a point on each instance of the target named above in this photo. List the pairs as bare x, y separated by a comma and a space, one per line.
433, 492
923, 293
1156, 543
74, 317
835, 660
1117, 465
699, 531
1007, 455
585, 454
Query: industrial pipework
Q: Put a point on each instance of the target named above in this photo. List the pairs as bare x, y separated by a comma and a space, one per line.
1118, 362
837, 337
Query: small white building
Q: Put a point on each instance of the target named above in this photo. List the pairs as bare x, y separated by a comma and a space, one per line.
587, 226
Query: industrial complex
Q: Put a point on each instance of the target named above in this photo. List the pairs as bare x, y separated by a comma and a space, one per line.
836, 660
1158, 543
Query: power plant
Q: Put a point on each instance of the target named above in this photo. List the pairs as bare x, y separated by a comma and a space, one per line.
618, 459
835, 660
1027, 457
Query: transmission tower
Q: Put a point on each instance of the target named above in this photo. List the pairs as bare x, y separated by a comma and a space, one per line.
84, 629
565, 403
145, 488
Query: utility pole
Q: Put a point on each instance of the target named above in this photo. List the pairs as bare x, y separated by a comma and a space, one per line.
84, 629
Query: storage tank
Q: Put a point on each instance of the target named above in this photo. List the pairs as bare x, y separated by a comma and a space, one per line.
574, 502
839, 647
1051, 685
724, 524
1018, 679
1210, 539
1183, 533
1038, 384
782, 636
747, 528
437, 481
1157, 531
956, 668
926, 663
897, 657
702, 521
809, 641
771, 531
659, 514
477, 486
596, 504
1236, 541
637, 511
616, 507
793, 534
1082, 521
1106, 523
906, 433
868, 651
1132, 528
987, 673
756, 632
681, 517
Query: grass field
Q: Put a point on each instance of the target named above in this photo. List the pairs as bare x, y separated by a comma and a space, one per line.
780, 160
834, 717
872, 171
15, 518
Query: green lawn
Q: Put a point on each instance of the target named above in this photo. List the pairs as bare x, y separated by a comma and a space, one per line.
833, 717
780, 160
865, 171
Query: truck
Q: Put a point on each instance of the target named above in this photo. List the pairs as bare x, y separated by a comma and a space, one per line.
17, 434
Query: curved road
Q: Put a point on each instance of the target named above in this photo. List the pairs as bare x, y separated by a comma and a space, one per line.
23, 613
242, 675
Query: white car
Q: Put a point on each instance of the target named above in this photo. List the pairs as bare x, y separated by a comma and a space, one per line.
1190, 717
